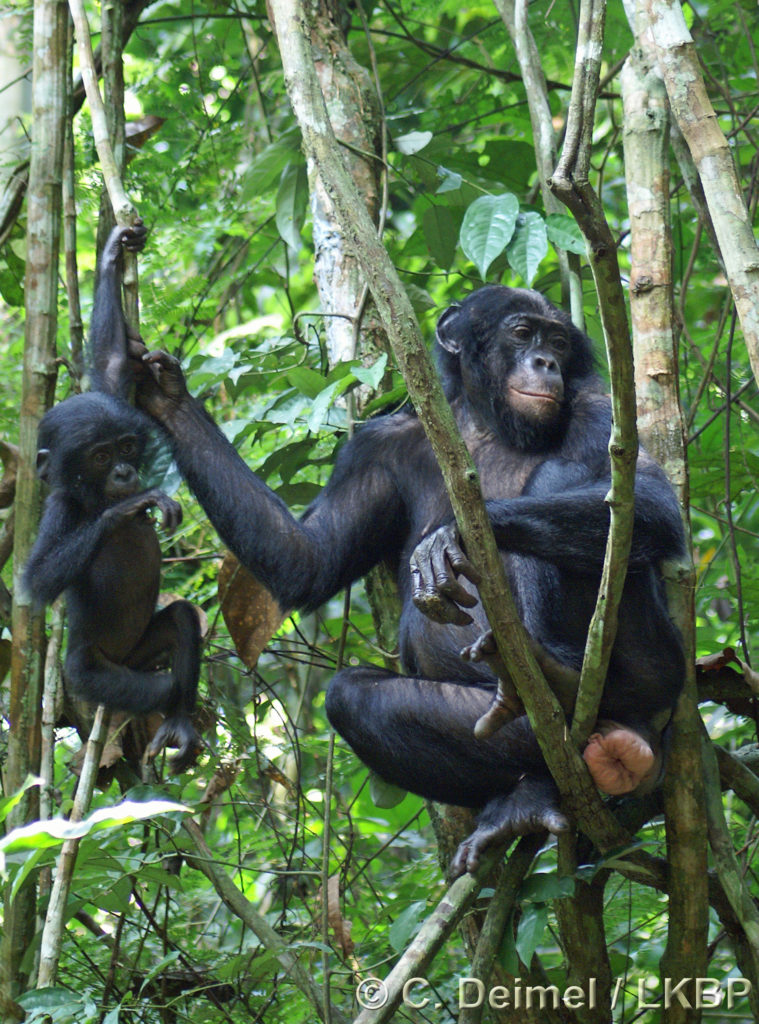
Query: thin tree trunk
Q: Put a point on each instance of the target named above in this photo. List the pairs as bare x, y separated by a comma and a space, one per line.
698, 122
43, 237
663, 429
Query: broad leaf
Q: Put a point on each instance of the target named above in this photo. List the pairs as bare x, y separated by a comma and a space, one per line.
564, 233
487, 229
292, 200
529, 246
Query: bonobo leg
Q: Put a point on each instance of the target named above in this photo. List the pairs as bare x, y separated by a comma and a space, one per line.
620, 759
531, 806
176, 630
173, 633
419, 734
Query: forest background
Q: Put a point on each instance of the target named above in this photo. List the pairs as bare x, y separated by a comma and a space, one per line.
298, 884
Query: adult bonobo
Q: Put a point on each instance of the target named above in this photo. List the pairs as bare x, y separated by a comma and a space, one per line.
520, 380
98, 545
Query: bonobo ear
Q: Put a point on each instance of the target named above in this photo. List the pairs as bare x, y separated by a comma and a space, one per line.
43, 463
447, 332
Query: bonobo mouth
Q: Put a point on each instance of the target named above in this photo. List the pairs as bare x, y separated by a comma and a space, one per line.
540, 395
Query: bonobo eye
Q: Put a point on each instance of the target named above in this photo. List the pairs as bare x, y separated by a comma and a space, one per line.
523, 331
559, 342
128, 448
101, 457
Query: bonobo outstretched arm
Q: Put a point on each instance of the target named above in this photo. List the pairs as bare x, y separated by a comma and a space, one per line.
357, 520
110, 370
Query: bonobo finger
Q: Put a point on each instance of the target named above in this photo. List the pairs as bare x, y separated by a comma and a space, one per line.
462, 566
439, 608
161, 359
134, 235
177, 731
444, 579
171, 516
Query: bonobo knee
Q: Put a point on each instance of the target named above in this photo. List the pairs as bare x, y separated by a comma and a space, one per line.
349, 694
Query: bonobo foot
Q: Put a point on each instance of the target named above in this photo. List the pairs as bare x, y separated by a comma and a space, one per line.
531, 806
177, 731
621, 760
506, 705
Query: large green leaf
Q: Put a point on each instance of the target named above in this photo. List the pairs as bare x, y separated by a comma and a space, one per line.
564, 233
292, 201
529, 246
487, 229
440, 234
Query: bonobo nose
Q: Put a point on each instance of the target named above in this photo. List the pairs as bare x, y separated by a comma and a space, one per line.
123, 472
540, 361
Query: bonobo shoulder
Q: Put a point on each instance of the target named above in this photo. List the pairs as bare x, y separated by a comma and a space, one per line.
387, 431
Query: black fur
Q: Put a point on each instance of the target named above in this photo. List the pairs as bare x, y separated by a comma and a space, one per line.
541, 452
97, 544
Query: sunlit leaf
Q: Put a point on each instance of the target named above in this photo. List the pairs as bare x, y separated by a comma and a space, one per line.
529, 246
487, 229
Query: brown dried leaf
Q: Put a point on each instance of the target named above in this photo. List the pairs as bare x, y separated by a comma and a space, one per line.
9, 459
250, 612
340, 926
715, 662
222, 780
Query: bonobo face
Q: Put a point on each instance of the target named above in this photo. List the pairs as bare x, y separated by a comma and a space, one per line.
513, 356
111, 468
90, 447
526, 361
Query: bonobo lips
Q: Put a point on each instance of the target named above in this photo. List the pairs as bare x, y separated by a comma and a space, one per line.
541, 395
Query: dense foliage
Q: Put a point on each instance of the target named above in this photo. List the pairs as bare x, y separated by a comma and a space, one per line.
227, 269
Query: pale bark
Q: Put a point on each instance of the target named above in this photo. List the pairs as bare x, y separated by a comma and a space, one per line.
697, 120
38, 384
646, 121
354, 112
571, 183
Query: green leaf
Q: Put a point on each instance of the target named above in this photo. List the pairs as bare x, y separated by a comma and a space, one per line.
9, 802
384, 794
406, 925
544, 886
564, 233
268, 166
413, 142
487, 229
292, 201
451, 182
371, 375
529, 246
309, 382
532, 926
41, 834
158, 968
440, 234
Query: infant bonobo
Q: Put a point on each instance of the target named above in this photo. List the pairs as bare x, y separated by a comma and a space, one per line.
97, 543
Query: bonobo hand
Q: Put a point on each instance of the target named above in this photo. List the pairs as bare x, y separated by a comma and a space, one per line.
160, 384
131, 237
435, 563
177, 731
171, 511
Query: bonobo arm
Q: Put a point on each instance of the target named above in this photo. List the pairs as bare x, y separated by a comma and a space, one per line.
110, 371
66, 544
356, 522
567, 527
570, 528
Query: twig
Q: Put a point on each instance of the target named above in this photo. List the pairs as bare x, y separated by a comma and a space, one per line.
52, 933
